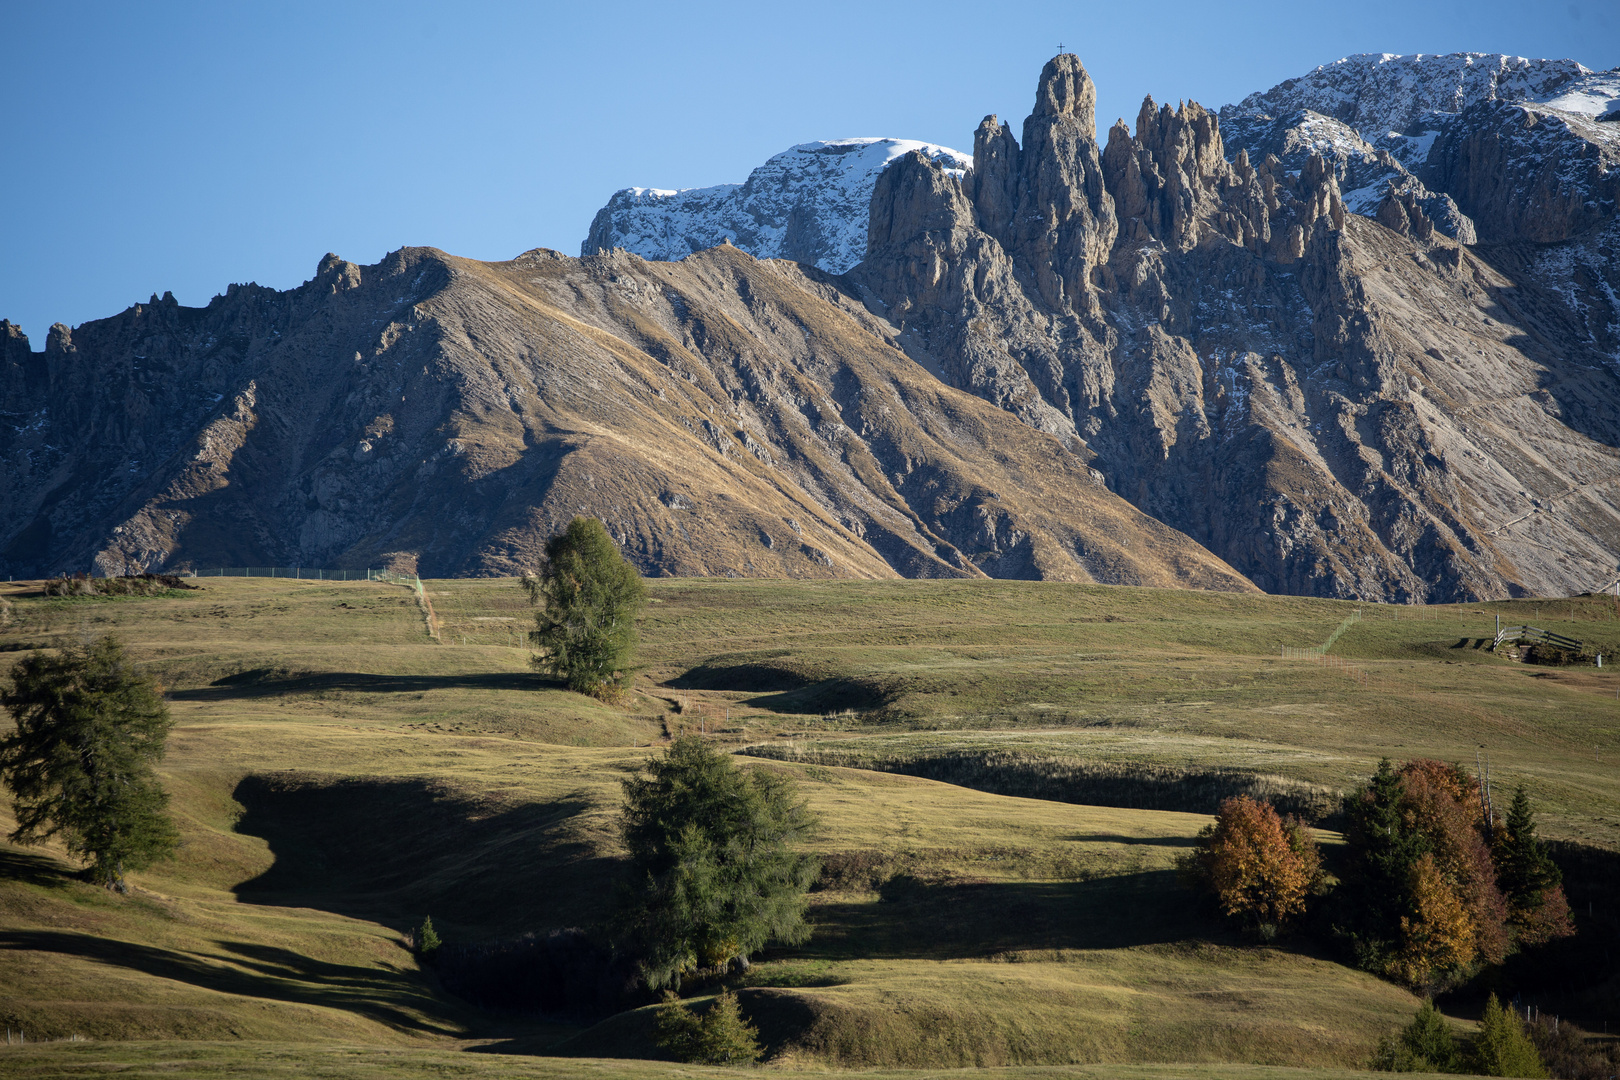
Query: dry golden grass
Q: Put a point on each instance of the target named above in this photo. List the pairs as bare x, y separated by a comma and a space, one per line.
338, 775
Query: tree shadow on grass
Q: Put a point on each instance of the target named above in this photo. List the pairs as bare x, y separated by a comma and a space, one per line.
957, 921
249, 970
37, 870
1155, 841
393, 851
274, 682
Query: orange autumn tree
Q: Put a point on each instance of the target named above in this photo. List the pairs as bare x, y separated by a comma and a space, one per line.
1436, 886
1259, 866
1442, 804
1439, 934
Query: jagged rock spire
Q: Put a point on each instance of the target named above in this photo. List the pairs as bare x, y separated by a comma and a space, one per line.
1066, 90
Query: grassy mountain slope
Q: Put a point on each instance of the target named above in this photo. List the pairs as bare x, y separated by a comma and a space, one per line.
338, 774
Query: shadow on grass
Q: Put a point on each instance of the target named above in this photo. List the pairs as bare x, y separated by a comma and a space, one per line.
255, 971
396, 850
269, 682
1155, 841
957, 921
34, 870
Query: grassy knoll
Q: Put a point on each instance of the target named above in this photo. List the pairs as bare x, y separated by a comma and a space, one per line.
338, 774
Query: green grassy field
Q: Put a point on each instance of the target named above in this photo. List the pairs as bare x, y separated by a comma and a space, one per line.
338, 774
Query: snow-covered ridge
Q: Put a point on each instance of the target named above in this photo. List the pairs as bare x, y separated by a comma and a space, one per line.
1397, 101
808, 203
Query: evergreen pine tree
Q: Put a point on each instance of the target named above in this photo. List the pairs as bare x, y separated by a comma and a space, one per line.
1502, 1047
719, 1037
1428, 1037
1524, 869
427, 939
80, 763
1528, 877
590, 597
716, 876
727, 1038
1383, 853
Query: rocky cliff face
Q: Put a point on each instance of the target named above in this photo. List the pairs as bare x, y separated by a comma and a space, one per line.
808, 203
1358, 336
722, 415
1336, 404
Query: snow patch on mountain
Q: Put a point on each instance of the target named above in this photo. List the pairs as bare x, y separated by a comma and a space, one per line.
1382, 93
1596, 95
809, 203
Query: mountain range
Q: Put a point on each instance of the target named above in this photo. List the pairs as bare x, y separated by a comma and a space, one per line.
1357, 335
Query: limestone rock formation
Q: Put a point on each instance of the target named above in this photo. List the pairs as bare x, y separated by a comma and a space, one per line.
1336, 404
722, 415
807, 204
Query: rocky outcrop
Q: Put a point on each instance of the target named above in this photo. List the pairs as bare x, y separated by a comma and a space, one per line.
807, 204
1527, 173
1336, 404
1365, 173
722, 415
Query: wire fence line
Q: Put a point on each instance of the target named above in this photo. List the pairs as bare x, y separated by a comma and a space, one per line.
413, 582
301, 573
1318, 651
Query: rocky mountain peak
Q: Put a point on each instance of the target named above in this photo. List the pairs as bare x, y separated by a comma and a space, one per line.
808, 203
1066, 90
1302, 389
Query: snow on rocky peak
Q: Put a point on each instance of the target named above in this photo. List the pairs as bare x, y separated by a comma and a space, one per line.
1380, 93
808, 203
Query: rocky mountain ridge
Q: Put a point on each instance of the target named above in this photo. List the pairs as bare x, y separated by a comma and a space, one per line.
1335, 404
1264, 343
723, 416
807, 204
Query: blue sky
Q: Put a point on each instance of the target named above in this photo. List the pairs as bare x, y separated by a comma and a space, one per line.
167, 146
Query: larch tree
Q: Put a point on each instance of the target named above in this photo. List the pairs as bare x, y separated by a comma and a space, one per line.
89, 728
589, 597
715, 873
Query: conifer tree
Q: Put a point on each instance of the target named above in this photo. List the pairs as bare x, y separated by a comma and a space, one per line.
589, 597
1529, 878
89, 727
715, 872
719, 1037
1424, 1045
1502, 1047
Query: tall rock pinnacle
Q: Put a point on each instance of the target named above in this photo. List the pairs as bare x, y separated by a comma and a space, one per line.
1066, 90
1064, 226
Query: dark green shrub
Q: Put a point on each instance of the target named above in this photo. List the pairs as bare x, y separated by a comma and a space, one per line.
1425, 1045
719, 1037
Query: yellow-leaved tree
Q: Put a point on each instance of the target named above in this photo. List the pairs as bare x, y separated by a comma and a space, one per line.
1260, 866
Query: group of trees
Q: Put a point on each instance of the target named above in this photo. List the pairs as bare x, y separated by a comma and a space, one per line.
1434, 884
1501, 1047
1437, 884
